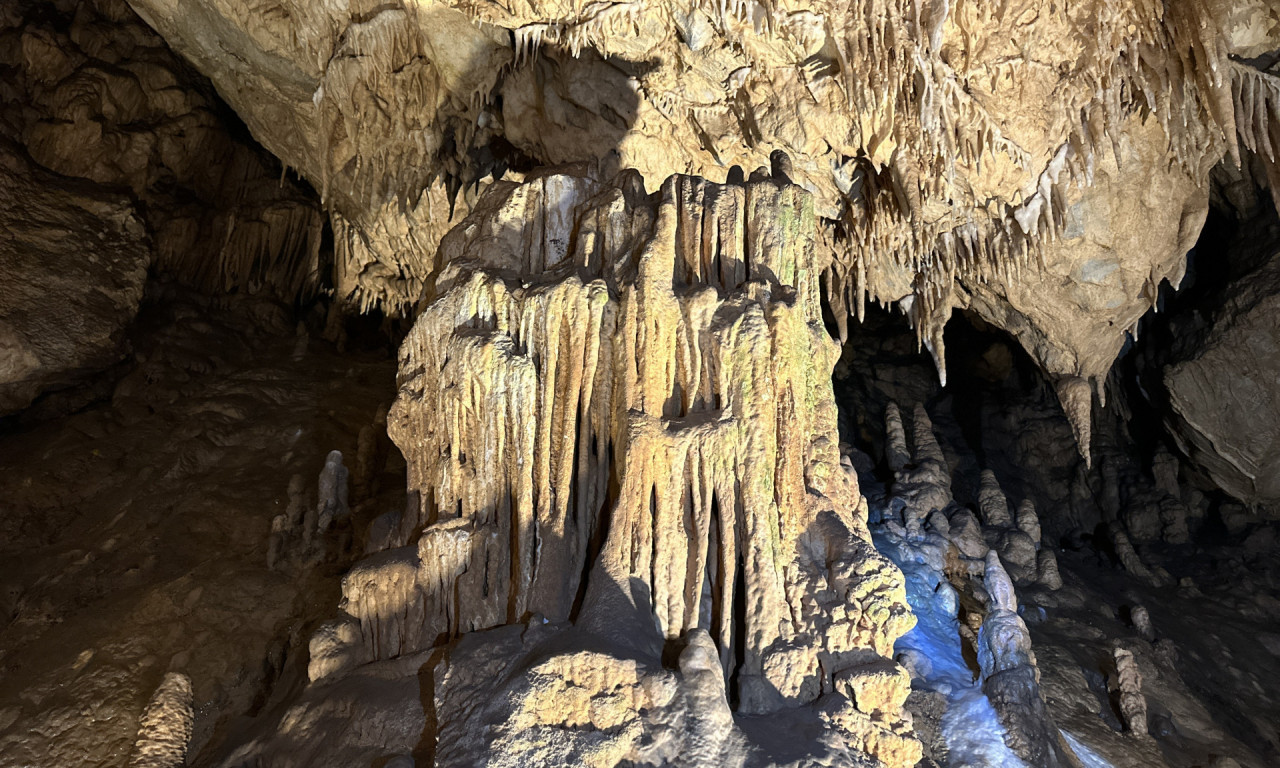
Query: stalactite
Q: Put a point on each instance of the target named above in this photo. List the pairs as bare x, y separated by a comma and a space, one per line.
1076, 397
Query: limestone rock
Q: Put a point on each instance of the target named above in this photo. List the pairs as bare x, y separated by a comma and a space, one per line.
1010, 678
992, 502
332, 492
1047, 567
966, 534
75, 260
599, 365
1029, 521
1133, 705
1142, 623
936, 188
92, 92
1018, 554
1223, 416
896, 453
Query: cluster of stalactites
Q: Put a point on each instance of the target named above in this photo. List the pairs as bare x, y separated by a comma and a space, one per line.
275, 244
1143, 57
614, 377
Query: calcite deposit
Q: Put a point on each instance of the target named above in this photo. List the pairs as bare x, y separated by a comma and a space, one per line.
585, 421
776, 383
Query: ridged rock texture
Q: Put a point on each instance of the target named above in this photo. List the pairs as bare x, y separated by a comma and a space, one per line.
1230, 424
628, 240
593, 433
91, 92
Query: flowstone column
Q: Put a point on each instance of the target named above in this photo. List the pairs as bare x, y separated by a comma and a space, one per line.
609, 391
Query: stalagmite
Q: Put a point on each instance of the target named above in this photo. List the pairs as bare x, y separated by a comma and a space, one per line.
332, 492
1142, 623
1130, 559
992, 502
896, 453
1133, 705
1047, 567
925, 444
165, 727
1009, 675
1029, 521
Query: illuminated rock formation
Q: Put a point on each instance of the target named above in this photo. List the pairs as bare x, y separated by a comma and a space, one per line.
592, 435
165, 728
934, 187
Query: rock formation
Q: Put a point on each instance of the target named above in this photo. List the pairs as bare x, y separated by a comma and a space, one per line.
1133, 706
935, 189
71, 295
618, 512
1229, 426
1009, 675
165, 728
584, 421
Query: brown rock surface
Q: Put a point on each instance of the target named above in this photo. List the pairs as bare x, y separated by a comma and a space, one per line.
1223, 410
74, 259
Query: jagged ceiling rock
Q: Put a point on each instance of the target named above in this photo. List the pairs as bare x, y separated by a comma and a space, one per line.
908, 122
75, 260
92, 92
375, 104
1123, 235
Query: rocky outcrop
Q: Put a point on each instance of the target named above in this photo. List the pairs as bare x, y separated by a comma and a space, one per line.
75, 260
1222, 411
93, 93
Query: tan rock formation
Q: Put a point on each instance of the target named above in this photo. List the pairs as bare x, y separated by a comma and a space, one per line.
165, 727
583, 394
1133, 705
